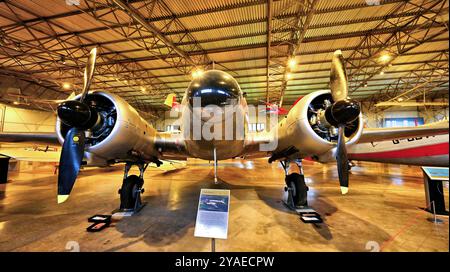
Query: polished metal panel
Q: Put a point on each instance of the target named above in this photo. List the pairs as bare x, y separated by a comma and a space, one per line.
296, 131
130, 133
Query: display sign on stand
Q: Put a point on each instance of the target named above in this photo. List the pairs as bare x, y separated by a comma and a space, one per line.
434, 189
212, 214
436, 173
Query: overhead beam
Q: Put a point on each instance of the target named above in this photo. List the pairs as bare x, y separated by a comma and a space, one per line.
396, 43
269, 40
274, 44
412, 104
308, 7
134, 70
138, 17
418, 80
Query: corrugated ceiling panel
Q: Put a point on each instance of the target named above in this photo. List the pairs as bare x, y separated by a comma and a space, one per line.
224, 17
184, 7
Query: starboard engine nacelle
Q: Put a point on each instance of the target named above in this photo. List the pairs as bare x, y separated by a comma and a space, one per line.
117, 131
307, 130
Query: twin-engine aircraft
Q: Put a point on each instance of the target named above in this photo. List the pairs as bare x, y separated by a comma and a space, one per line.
100, 128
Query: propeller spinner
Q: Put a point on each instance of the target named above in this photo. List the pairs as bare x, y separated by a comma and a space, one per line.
78, 116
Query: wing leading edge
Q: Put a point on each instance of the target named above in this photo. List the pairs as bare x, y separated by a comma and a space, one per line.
385, 134
29, 137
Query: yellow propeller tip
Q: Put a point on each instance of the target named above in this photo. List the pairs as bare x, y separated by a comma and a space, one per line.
62, 198
344, 190
338, 52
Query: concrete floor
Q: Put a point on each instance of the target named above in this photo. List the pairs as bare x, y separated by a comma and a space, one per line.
381, 209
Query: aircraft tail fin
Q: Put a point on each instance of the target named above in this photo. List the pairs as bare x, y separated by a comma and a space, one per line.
171, 100
71, 96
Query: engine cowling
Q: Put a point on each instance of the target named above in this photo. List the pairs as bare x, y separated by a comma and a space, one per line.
306, 129
119, 132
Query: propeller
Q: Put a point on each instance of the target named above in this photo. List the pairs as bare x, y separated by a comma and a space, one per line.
79, 117
341, 158
341, 113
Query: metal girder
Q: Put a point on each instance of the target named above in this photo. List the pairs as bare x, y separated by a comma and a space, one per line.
382, 50
419, 81
288, 42
146, 35
219, 8
411, 104
298, 35
70, 64
435, 113
220, 25
269, 8
430, 52
18, 91
303, 76
203, 53
256, 74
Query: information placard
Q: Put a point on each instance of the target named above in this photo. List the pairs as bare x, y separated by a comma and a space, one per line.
436, 173
212, 214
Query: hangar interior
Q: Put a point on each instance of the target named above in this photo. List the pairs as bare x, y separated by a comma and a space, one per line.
396, 59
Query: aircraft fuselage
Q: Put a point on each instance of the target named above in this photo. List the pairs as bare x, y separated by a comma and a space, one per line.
214, 117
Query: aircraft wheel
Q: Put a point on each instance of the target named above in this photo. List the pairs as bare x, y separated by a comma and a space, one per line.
128, 192
296, 183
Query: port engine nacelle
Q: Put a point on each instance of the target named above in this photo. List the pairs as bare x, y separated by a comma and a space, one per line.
119, 132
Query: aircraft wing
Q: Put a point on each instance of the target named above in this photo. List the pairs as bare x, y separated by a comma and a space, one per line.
170, 146
22, 152
29, 137
28, 154
257, 145
385, 134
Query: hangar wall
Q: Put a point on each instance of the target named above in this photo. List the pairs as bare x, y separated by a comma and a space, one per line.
430, 115
21, 120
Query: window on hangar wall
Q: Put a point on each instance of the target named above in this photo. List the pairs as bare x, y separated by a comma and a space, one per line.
403, 122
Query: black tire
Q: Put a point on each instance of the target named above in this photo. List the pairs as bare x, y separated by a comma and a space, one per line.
127, 192
300, 191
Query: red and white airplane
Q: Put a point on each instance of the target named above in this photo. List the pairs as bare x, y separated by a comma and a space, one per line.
424, 151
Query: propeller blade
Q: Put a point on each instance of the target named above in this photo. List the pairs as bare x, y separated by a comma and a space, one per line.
342, 160
71, 96
338, 77
88, 73
70, 162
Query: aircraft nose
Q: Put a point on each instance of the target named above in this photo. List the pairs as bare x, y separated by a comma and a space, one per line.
214, 87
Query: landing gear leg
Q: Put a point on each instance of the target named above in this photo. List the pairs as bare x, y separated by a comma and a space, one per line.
132, 188
215, 167
350, 165
296, 191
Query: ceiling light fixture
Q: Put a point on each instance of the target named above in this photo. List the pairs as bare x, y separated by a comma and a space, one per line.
197, 73
385, 58
292, 63
66, 85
